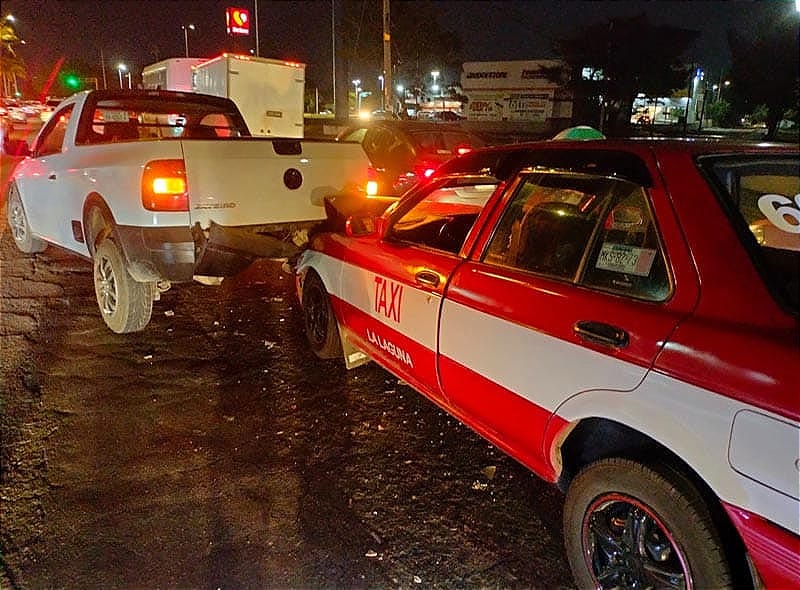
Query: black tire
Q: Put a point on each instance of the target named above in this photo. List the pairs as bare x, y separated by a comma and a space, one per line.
125, 304
322, 329
629, 525
18, 223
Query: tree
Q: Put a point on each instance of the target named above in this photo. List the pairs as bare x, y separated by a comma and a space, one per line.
628, 56
720, 113
765, 70
11, 66
419, 44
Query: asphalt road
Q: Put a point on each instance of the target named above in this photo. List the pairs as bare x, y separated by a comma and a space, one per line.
213, 450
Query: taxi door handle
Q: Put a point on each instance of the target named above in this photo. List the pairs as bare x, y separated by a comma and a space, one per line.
427, 278
600, 333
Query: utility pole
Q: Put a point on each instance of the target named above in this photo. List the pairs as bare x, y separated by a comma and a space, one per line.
258, 54
103, 67
387, 59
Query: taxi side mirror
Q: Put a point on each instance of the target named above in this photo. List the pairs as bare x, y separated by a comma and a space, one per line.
359, 226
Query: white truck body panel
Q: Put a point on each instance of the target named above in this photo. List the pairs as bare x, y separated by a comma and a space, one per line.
170, 74
268, 92
242, 182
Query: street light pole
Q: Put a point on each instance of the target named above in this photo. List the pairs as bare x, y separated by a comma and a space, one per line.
121, 68
357, 84
186, 37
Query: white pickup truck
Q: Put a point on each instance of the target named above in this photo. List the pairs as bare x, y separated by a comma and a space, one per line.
162, 187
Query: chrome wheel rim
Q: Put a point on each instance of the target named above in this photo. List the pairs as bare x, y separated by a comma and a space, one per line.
627, 546
106, 285
16, 218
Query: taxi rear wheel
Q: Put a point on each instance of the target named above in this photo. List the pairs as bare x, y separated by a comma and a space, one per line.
322, 330
630, 525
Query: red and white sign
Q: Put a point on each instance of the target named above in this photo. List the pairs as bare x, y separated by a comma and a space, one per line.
237, 21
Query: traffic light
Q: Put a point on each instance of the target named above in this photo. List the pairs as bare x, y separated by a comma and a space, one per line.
72, 81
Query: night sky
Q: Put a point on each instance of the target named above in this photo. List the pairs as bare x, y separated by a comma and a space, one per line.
139, 32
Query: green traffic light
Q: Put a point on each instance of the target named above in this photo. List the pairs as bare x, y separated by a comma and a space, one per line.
72, 81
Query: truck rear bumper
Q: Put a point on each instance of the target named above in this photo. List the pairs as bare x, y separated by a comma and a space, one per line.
158, 253
224, 251
177, 254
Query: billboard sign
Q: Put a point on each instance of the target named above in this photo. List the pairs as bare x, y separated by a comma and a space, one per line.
237, 21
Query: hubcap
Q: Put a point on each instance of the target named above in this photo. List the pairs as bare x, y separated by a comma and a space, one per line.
627, 546
106, 285
17, 221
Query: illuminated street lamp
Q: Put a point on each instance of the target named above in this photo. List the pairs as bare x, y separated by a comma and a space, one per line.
357, 84
719, 87
435, 76
122, 68
186, 37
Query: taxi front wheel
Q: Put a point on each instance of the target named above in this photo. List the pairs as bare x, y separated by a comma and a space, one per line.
630, 525
322, 329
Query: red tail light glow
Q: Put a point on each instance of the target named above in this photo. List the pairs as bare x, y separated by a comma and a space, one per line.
372, 182
463, 149
164, 186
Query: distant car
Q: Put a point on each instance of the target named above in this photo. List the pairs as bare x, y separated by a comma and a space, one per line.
405, 152
615, 317
16, 114
47, 109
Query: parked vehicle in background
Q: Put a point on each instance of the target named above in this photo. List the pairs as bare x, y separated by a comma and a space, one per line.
405, 152
162, 187
14, 111
47, 109
619, 317
269, 93
171, 74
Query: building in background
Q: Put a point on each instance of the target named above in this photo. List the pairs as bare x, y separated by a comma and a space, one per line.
517, 91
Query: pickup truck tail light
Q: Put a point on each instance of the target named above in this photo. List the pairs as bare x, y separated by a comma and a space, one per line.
372, 182
164, 186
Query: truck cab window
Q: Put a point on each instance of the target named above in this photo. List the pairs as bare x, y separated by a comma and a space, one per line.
53, 138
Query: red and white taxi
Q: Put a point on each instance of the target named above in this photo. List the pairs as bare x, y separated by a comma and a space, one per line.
622, 318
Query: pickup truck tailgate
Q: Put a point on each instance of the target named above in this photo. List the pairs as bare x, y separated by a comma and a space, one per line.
256, 181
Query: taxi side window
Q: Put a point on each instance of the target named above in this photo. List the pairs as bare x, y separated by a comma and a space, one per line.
53, 138
594, 231
626, 257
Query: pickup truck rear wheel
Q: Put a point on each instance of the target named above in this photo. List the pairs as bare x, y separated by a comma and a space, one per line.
125, 304
322, 329
18, 223
630, 525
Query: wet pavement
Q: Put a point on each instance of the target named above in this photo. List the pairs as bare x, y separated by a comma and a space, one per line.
214, 450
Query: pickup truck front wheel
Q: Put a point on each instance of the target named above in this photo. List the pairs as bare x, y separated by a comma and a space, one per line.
631, 525
322, 329
18, 223
126, 305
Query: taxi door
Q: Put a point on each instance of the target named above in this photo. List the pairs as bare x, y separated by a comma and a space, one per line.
573, 292
392, 286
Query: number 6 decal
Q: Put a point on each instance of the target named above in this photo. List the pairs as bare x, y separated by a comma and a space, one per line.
777, 215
